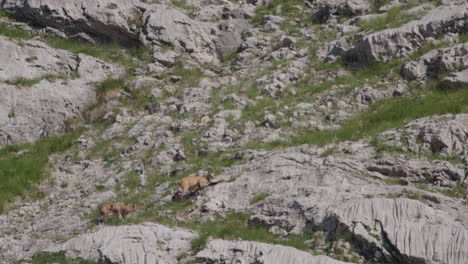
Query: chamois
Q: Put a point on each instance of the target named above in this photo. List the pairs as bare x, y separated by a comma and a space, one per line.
194, 183
117, 209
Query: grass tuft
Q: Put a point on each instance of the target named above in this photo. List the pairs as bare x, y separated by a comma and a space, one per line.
23, 166
23, 82
57, 258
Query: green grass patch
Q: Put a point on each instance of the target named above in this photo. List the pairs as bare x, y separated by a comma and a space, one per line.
258, 198
23, 82
20, 174
190, 76
14, 33
183, 5
236, 226
463, 38
5, 13
109, 85
229, 58
289, 8
395, 17
386, 115
58, 258
109, 52
377, 4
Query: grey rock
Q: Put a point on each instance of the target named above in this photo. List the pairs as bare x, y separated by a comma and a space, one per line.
447, 135
332, 51
288, 42
306, 191
104, 21
165, 57
222, 251
42, 109
230, 35
402, 41
171, 26
272, 23
440, 61
132, 244
440, 173
328, 9
458, 80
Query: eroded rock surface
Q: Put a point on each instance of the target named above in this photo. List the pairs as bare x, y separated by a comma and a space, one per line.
305, 191
61, 87
136, 244
446, 134
453, 59
222, 251
403, 41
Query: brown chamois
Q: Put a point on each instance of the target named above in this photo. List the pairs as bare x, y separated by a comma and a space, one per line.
117, 209
194, 183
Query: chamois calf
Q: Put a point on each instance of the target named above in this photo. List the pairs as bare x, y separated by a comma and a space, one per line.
117, 209
194, 183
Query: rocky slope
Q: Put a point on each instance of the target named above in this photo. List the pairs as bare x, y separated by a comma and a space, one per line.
337, 131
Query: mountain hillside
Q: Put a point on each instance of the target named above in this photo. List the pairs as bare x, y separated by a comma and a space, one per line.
321, 131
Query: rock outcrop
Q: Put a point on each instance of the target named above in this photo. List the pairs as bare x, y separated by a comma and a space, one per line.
401, 42
222, 251
133, 23
328, 9
133, 244
453, 59
447, 135
306, 192
61, 88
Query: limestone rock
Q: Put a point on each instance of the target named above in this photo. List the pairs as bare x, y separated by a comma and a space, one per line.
131, 244
440, 61
447, 135
328, 9
222, 251
402, 41
60, 88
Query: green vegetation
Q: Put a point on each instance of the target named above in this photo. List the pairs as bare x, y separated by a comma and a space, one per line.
463, 38
459, 191
393, 18
289, 8
377, 4
57, 258
109, 52
258, 198
190, 76
386, 115
23, 82
236, 226
229, 58
23, 166
183, 5
112, 6
4, 13
14, 33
